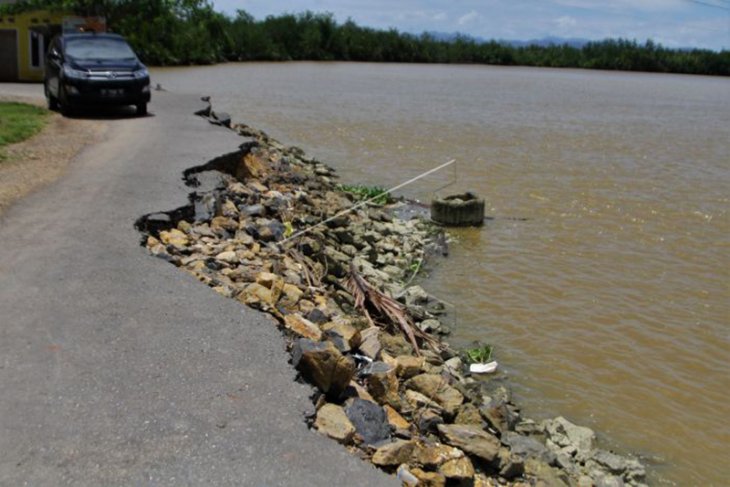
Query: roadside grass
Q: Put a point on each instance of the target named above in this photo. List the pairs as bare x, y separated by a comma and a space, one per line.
18, 122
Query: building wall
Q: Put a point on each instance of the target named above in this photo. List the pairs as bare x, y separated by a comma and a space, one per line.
28, 26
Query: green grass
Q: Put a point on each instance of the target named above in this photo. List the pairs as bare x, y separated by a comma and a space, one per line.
363, 192
18, 122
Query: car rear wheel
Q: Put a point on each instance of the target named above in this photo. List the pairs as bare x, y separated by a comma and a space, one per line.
141, 109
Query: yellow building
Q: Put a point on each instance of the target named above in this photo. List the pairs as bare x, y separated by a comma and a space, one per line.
24, 39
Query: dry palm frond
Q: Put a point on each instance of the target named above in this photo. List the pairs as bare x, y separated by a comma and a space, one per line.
365, 293
313, 279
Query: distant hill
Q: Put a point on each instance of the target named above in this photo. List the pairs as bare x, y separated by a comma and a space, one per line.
544, 42
549, 41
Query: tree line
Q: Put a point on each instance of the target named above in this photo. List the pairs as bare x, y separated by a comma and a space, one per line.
173, 32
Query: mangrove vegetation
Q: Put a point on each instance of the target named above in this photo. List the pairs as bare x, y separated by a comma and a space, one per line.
167, 32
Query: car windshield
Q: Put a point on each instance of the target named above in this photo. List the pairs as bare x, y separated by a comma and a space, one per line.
98, 48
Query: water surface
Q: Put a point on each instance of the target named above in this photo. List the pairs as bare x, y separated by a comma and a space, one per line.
610, 303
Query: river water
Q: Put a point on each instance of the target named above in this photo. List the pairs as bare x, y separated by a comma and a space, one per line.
603, 279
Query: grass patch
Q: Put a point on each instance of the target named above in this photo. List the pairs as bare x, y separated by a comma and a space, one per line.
363, 192
19, 122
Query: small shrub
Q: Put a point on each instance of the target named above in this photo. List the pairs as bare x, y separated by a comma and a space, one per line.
363, 192
478, 355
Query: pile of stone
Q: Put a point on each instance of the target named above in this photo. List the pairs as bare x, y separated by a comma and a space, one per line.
411, 410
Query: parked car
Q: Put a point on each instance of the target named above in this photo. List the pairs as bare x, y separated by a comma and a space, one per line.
94, 69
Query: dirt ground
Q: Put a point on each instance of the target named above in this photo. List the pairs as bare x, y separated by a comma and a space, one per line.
33, 163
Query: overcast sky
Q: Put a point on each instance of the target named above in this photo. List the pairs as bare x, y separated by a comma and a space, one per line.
673, 23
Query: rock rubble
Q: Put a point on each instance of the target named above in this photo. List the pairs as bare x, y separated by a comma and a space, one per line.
386, 385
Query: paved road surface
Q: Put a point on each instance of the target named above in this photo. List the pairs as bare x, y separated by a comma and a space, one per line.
116, 368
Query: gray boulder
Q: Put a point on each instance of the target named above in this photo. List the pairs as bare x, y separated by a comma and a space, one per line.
369, 419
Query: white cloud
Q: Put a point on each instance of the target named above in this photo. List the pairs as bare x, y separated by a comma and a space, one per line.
566, 21
624, 5
468, 18
671, 22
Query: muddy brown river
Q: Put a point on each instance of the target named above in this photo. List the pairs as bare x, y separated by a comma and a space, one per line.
604, 278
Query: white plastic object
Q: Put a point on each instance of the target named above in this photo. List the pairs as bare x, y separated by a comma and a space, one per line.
488, 368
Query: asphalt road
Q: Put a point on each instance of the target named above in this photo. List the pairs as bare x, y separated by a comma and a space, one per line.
116, 368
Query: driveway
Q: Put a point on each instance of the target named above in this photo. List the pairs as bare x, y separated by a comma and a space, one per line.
116, 368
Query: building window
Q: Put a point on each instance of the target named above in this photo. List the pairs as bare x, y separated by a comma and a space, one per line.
36, 49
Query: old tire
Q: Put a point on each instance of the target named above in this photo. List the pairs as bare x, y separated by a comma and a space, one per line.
459, 210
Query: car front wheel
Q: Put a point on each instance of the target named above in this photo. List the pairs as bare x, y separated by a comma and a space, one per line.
52, 100
63, 103
141, 109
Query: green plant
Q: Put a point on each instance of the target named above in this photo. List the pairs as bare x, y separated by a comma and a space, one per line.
18, 122
478, 355
363, 192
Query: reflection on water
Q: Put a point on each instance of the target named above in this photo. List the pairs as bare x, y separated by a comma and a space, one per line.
609, 304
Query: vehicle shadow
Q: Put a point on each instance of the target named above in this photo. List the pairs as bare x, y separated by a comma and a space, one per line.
105, 113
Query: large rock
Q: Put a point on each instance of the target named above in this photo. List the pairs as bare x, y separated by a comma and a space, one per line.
435, 454
428, 420
229, 257
256, 295
251, 166
370, 342
369, 419
395, 344
269, 280
395, 420
499, 416
468, 414
481, 480
544, 473
333, 422
415, 295
345, 336
510, 464
393, 454
223, 223
356, 390
429, 326
457, 469
436, 387
610, 461
418, 401
407, 366
273, 283
302, 327
429, 479
383, 384
608, 481
472, 439
174, 237
528, 447
323, 365
565, 434
290, 297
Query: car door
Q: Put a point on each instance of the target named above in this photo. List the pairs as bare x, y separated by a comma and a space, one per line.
54, 65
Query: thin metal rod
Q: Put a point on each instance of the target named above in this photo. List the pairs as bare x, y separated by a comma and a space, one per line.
363, 203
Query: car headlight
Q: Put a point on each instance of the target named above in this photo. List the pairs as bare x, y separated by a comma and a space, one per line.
141, 73
70, 72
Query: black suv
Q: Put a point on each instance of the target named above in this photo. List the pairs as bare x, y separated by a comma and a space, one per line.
95, 69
